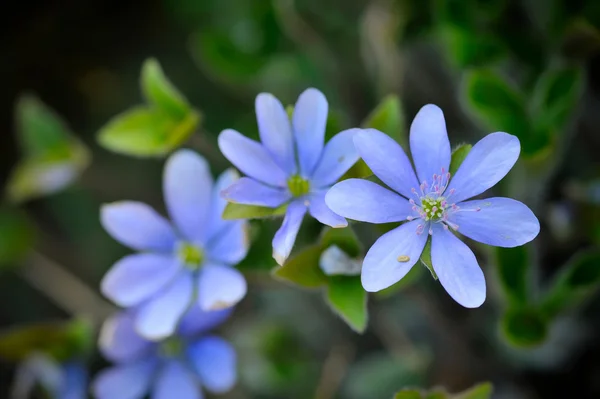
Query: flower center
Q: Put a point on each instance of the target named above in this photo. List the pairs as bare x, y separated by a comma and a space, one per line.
191, 255
432, 208
171, 347
298, 186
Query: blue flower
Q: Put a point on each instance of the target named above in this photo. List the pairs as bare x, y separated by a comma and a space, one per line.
177, 263
292, 165
174, 368
434, 204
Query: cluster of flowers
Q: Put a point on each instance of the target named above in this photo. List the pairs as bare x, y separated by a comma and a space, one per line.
183, 283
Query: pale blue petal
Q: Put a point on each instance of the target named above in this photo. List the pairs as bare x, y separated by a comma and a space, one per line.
251, 158
387, 160
501, 222
275, 131
220, 287
284, 239
457, 268
158, 318
138, 226
320, 211
231, 245
130, 381
197, 321
135, 278
216, 223
214, 360
175, 381
338, 156
392, 256
429, 143
310, 118
488, 162
75, 381
251, 192
366, 201
119, 342
187, 186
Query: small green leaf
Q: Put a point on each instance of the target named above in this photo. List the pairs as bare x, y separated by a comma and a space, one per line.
471, 49
344, 238
479, 391
16, 236
524, 327
512, 270
458, 156
161, 93
409, 394
303, 269
388, 118
348, 299
437, 394
241, 211
426, 259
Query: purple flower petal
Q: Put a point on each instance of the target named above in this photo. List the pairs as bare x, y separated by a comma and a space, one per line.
231, 245
158, 318
387, 160
135, 278
429, 143
392, 256
75, 382
275, 131
286, 235
220, 287
251, 158
197, 321
366, 201
320, 211
138, 226
130, 381
309, 120
501, 222
488, 162
176, 381
251, 192
119, 342
214, 360
338, 156
457, 268
216, 224
187, 186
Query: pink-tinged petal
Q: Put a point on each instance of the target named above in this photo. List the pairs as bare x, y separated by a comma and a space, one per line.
138, 226
457, 268
251, 192
501, 222
119, 342
366, 201
175, 381
320, 211
487, 163
197, 321
214, 360
136, 278
309, 120
129, 381
220, 287
275, 131
392, 256
429, 143
387, 160
338, 156
251, 158
187, 186
231, 245
284, 239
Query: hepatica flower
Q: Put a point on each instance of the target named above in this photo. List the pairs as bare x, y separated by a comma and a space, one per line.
175, 368
188, 261
292, 164
434, 203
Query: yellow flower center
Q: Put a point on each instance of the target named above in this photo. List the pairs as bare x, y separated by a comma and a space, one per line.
298, 186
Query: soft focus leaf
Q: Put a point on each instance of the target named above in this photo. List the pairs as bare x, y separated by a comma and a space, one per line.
513, 267
16, 236
468, 49
348, 299
480, 391
409, 394
581, 39
556, 95
241, 211
458, 156
161, 93
426, 259
524, 327
388, 118
303, 268
259, 256
344, 238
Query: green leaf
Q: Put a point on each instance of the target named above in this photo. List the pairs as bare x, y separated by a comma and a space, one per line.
479, 391
524, 327
513, 267
161, 93
344, 238
303, 269
145, 132
240, 211
388, 118
259, 257
426, 258
347, 298
409, 394
467, 48
458, 156
17, 235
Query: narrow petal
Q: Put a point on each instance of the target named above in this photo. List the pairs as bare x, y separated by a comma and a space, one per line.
286, 235
251, 192
220, 287
275, 131
429, 143
338, 156
251, 158
320, 211
310, 118
231, 245
119, 342
387, 160
197, 321
488, 162
138, 226
501, 222
158, 318
130, 381
187, 186
366, 201
216, 224
176, 381
214, 360
382, 267
457, 268
137, 277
